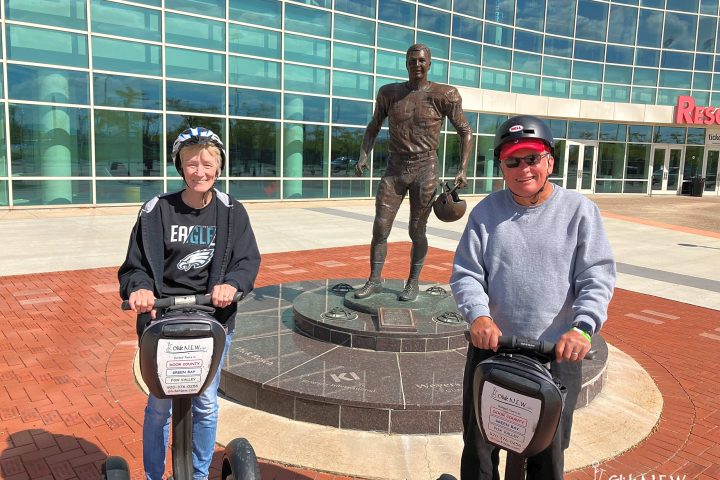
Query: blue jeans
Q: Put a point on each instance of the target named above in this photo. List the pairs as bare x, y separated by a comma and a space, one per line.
156, 429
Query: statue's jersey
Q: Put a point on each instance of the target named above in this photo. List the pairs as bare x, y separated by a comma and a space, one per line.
415, 116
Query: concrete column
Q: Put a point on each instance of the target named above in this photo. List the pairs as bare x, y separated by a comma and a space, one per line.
56, 151
489, 166
293, 144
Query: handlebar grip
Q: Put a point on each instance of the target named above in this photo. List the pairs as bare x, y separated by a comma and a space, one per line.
189, 300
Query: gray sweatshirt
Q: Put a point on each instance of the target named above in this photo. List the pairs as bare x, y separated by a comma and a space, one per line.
534, 270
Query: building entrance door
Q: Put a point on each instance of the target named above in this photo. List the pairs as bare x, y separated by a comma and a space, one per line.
711, 163
581, 158
665, 176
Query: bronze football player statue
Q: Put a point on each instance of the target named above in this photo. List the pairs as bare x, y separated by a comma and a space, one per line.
415, 111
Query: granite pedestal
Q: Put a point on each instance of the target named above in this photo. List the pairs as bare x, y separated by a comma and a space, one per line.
310, 351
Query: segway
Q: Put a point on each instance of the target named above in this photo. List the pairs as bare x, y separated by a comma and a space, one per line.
517, 401
179, 356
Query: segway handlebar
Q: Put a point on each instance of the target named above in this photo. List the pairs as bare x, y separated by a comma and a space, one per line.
512, 343
188, 300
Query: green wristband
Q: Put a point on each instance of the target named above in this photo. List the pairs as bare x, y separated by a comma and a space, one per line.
584, 334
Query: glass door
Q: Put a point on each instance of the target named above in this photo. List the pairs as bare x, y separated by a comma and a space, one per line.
711, 170
581, 158
665, 177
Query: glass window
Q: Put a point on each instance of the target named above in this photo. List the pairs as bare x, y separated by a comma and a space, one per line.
622, 24
50, 141
643, 95
307, 50
46, 46
709, 7
591, 20
305, 150
532, 42
395, 38
614, 93
638, 161
176, 123
671, 78
679, 31
496, 57
679, 60
352, 57
528, 84
467, 28
701, 81
126, 191
346, 142
307, 79
556, 67
486, 165
194, 65
558, 14
464, 75
294, 189
585, 90
703, 62
465, 52
47, 85
255, 189
587, 71
365, 8
439, 46
488, 124
647, 58
526, 62
439, 71
582, 131
254, 41
349, 188
497, 35
618, 54
192, 97
701, 98
669, 97
152, 3
707, 28
562, 47
495, 80
254, 103
468, 7
615, 74
388, 63
125, 20
128, 144
640, 133
613, 132
307, 20
67, 14
433, 20
674, 135
3, 160
266, 13
254, 150
251, 72
500, 11
683, 5
652, 3
350, 112
355, 30
437, 3
346, 84
194, 32
397, 11
589, 51
696, 136
304, 108
52, 192
531, 14
651, 33
127, 92
552, 87
611, 163
125, 56
211, 8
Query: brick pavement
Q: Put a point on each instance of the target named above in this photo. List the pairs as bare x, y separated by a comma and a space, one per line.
69, 398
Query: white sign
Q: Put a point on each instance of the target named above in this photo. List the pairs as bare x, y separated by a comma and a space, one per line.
183, 364
712, 136
509, 418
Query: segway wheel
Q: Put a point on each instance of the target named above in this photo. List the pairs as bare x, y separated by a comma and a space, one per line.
115, 468
240, 462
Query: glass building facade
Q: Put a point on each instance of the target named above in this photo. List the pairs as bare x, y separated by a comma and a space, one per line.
93, 92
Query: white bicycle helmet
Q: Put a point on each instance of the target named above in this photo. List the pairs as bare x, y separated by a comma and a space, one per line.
196, 136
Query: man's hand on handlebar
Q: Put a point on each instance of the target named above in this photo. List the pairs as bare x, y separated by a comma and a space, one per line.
484, 333
572, 346
223, 294
142, 301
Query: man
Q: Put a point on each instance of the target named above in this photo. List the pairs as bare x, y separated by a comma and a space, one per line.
416, 110
534, 261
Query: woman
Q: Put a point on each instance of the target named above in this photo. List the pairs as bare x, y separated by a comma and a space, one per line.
195, 241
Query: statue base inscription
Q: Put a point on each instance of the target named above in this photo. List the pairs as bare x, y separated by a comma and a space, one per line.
396, 320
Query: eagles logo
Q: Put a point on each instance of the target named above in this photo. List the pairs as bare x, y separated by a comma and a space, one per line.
197, 259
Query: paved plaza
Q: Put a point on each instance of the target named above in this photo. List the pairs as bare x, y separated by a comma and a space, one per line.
70, 396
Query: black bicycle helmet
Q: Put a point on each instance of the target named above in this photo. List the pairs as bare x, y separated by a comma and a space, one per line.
196, 136
520, 127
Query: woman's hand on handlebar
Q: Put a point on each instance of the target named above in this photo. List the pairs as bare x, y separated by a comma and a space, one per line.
223, 294
572, 346
484, 333
142, 301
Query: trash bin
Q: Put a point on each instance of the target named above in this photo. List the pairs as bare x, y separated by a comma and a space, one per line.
697, 185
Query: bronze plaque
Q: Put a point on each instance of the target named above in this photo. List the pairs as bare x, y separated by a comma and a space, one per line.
396, 320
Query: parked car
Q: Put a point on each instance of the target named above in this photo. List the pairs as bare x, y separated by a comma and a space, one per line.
343, 163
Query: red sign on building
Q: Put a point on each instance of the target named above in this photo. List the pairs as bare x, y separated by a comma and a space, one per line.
686, 112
